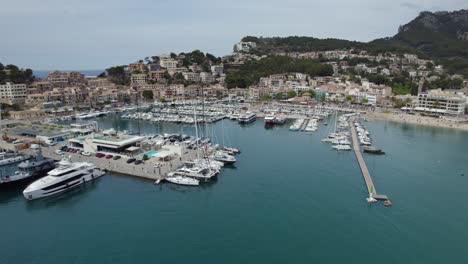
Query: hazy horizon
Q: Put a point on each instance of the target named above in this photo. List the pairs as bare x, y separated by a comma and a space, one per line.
88, 35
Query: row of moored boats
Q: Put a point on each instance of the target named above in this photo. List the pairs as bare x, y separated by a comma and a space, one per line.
59, 177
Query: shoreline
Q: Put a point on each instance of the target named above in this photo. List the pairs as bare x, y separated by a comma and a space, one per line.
404, 118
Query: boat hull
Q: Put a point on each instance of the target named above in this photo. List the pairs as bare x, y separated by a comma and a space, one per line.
40, 193
4, 185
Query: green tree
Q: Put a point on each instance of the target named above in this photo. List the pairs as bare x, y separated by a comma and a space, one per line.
148, 95
292, 94
279, 96
251, 71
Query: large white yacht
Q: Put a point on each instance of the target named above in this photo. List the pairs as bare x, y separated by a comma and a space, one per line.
63, 178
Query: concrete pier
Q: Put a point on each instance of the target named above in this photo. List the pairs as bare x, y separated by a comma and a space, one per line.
362, 164
145, 170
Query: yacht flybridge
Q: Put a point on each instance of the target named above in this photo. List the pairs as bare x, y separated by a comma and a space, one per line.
247, 118
66, 176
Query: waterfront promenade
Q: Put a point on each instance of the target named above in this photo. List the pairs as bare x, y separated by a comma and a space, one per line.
362, 164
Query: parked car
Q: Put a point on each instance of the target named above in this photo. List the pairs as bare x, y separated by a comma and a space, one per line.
85, 153
58, 152
130, 160
100, 155
138, 162
62, 148
157, 165
116, 157
109, 156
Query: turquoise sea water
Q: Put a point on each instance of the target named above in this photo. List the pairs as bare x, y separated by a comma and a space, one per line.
289, 199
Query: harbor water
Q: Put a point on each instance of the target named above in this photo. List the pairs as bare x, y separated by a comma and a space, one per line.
290, 198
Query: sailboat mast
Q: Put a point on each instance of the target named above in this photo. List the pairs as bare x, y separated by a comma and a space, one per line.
196, 129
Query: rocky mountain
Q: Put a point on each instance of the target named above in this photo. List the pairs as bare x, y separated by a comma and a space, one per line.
442, 36
439, 34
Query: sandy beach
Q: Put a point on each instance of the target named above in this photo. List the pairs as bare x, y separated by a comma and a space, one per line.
417, 120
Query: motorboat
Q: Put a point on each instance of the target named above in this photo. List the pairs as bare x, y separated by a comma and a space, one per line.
10, 158
66, 176
223, 157
269, 120
181, 180
29, 170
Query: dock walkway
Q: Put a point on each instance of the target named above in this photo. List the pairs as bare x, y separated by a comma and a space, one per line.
304, 124
362, 164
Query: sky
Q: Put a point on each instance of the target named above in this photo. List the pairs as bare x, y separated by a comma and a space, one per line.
96, 34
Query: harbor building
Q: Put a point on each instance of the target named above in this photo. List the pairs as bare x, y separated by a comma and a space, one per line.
441, 102
106, 143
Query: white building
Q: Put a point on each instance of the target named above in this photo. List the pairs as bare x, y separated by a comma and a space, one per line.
370, 98
217, 69
168, 63
206, 77
244, 46
13, 93
441, 102
191, 76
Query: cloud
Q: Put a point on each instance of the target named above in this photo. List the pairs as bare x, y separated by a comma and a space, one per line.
411, 5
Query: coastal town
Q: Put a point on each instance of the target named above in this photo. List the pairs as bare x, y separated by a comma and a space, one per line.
179, 87
169, 78
233, 131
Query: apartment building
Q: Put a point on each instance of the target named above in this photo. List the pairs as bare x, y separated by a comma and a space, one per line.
168, 63
57, 79
156, 75
138, 78
191, 76
206, 77
441, 102
62, 79
137, 66
217, 70
11, 93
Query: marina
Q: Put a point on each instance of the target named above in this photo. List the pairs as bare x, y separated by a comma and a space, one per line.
256, 189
